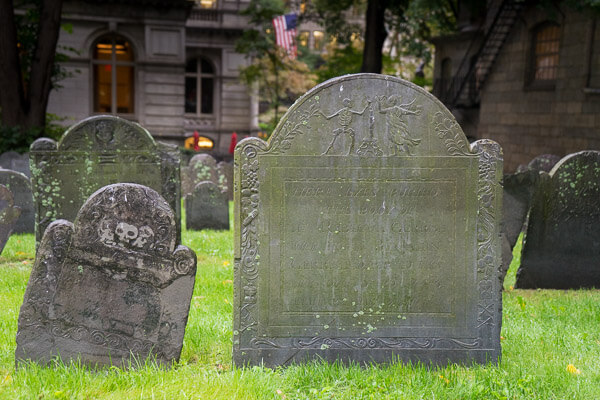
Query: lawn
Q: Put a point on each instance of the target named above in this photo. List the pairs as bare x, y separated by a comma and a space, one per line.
550, 350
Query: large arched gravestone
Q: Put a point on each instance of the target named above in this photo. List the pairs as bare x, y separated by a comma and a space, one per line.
561, 248
96, 152
112, 286
366, 230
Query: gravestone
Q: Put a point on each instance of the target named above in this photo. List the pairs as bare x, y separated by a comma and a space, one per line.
20, 186
206, 208
225, 176
9, 214
561, 249
16, 162
543, 162
202, 167
516, 200
367, 230
96, 152
112, 286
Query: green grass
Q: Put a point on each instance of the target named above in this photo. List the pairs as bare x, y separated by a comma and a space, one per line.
544, 331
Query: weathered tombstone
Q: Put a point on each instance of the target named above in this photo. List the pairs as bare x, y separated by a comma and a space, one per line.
96, 152
516, 199
225, 176
543, 162
202, 167
367, 230
110, 287
206, 208
561, 249
16, 162
20, 186
9, 214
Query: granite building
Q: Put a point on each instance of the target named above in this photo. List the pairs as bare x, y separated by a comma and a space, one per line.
525, 76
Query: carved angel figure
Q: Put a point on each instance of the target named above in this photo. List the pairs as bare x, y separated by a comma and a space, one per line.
344, 120
396, 123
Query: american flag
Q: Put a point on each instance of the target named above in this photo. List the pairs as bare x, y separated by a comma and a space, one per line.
285, 33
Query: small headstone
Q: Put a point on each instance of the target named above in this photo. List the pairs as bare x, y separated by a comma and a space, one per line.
561, 249
367, 230
9, 214
516, 199
96, 152
543, 162
20, 186
111, 287
206, 208
16, 162
202, 167
225, 177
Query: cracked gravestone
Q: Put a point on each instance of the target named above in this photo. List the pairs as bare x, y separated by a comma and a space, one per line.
206, 208
96, 152
9, 214
367, 230
561, 249
16, 162
20, 186
112, 287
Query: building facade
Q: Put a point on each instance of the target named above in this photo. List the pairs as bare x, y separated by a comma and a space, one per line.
168, 64
525, 76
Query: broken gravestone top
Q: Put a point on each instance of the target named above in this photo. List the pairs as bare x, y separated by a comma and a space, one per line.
111, 286
9, 214
561, 248
96, 152
367, 230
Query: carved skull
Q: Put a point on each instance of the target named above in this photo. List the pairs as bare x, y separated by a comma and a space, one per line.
145, 233
126, 232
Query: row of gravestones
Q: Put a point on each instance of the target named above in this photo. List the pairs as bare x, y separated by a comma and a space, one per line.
367, 230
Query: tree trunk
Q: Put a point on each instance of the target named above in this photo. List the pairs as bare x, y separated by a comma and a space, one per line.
27, 109
375, 34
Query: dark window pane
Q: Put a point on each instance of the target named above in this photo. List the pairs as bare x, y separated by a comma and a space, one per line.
125, 90
206, 67
207, 95
191, 95
191, 66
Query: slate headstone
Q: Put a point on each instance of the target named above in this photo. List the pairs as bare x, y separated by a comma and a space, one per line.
543, 162
206, 208
516, 200
16, 162
96, 152
367, 230
9, 214
112, 286
20, 186
202, 167
561, 249
225, 176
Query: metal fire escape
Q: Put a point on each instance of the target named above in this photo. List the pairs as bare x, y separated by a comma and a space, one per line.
465, 88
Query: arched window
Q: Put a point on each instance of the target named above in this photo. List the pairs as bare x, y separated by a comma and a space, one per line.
199, 86
545, 48
114, 75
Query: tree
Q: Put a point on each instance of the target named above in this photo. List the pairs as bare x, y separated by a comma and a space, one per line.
27, 61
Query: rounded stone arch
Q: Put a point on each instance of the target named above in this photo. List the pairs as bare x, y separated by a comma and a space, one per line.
96, 35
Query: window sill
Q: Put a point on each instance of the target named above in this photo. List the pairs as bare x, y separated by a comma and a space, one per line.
590, 90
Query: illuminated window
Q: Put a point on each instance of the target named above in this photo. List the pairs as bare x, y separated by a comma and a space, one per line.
113, 69
199, 86
206, 3
303, 38
318, 37
545, 47
204, 143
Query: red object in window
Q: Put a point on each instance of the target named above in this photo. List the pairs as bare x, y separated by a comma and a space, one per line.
233, 142
107, 68
196, 139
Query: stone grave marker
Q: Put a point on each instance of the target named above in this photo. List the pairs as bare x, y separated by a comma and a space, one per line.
516, 199
9, 214
112, 285
543, 162
225, 176
16, 162
96, 152
202, 167
367, 230
20, 186
561, 249
206, 208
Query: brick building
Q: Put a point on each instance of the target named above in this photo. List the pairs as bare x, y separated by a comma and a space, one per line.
525, 76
